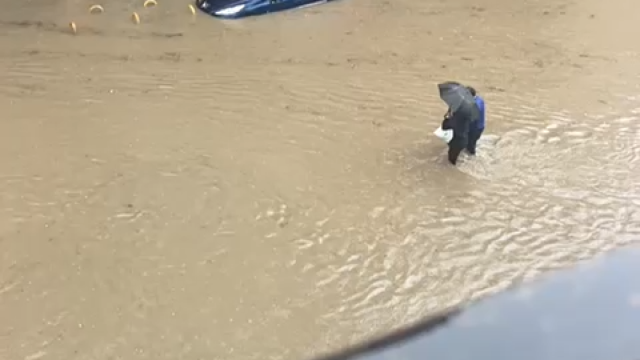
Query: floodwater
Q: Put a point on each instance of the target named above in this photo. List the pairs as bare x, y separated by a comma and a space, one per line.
189, 188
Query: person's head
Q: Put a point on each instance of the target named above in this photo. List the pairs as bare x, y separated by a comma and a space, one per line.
472, 91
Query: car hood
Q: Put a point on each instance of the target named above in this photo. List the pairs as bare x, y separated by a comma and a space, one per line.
217, 5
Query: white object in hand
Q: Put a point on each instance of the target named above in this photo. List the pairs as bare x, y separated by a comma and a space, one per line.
445, 135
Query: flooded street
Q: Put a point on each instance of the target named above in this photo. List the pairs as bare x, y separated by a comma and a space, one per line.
189, 188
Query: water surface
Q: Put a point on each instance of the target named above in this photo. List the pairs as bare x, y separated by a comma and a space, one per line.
189, 188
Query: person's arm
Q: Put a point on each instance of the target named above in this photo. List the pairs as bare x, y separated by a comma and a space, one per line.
446, 124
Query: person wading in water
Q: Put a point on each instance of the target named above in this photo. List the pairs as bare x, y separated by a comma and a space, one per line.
460, 122
463, 111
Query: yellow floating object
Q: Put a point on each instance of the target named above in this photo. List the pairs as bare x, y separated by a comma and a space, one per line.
193, 9
135, 18
73, 27
96, 9
148, 3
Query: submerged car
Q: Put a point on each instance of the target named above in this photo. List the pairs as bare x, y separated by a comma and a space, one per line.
233, 9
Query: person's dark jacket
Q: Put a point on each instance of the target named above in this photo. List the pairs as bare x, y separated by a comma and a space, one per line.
460, 121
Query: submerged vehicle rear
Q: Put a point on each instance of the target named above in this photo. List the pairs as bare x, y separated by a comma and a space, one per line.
232, 9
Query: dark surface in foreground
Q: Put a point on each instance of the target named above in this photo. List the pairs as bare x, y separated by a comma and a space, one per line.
589, 313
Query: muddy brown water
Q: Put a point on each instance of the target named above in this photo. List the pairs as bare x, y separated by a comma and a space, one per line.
189, 188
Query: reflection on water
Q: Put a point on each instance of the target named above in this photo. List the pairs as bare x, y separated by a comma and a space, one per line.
234, 189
